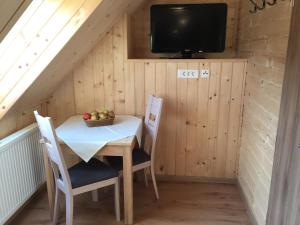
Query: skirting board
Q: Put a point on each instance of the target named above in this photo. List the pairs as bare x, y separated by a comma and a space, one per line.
249, 210
168, 178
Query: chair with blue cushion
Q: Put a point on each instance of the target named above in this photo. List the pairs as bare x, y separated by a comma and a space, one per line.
141, 159
82, 177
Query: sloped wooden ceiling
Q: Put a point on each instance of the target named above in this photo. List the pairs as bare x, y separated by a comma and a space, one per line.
92, 20
10, 11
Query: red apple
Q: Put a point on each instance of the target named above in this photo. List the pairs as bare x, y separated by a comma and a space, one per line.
86, 116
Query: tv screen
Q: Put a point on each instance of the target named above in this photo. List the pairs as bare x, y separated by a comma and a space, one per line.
188, 28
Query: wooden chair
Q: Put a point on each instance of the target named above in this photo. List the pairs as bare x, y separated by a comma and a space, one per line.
141, 160
80, 178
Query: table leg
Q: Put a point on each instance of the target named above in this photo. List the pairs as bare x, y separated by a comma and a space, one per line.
128, 189
49, 181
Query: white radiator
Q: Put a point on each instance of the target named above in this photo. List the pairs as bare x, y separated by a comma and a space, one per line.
21, 169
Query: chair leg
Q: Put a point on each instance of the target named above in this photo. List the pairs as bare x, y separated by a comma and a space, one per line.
154, 182
95, 195
146, 177
69, 209
117, 200
56, 205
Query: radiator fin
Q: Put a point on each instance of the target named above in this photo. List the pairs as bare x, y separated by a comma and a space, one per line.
21, 169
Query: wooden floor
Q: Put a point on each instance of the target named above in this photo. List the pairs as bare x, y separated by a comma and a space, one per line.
180, 203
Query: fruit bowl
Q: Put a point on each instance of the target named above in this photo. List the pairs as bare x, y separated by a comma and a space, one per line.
97, 123
99, 118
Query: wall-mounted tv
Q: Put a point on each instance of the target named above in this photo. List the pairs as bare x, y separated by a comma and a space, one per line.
188, 28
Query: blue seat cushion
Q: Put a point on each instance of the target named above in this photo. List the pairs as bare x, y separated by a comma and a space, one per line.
94, 171
138, 156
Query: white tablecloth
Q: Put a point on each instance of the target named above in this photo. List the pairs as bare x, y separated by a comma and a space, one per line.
87, 141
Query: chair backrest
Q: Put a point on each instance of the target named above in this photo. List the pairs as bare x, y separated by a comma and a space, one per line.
152, 119
49, 139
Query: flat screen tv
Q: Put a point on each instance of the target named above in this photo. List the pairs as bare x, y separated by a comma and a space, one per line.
188, 28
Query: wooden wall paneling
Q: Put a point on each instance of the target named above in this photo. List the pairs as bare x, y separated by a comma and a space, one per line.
139, 86
18, 118
192, 121
129, 89
26, 116
160, 90
181, 126
108, 71
79, 88
189, 116
61, 104
201, 167
98, 73
223, 122
118, 53
213, 112
89, 85
235, 118
150, 79
170, 103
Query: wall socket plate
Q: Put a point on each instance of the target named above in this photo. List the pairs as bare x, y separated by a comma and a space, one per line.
204, 73
187, 73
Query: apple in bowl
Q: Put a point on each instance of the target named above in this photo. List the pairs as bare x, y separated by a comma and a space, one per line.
99, 118
86, 116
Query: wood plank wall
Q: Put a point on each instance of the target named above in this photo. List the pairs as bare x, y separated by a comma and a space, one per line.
263, 40
201, 120
19, 117
140, 23
95, 27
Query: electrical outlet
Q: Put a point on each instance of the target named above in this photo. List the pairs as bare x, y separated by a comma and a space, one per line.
187, 73
204, 73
